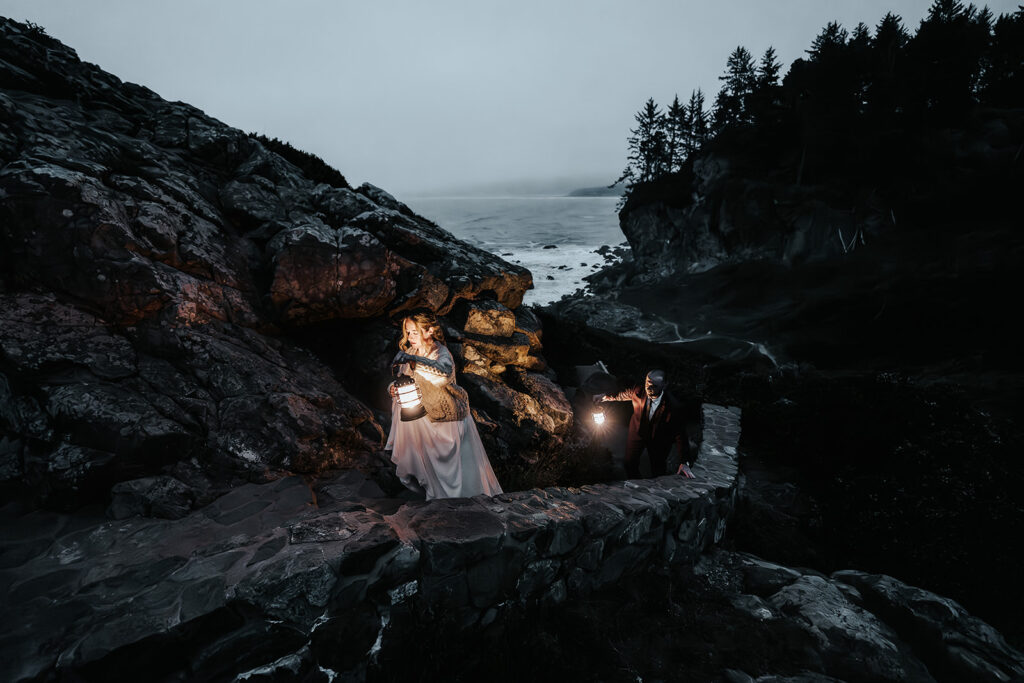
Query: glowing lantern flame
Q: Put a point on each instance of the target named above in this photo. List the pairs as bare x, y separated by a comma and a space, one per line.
409, 398
599, 417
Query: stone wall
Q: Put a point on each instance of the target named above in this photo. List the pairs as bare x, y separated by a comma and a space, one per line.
554, 543
314, 574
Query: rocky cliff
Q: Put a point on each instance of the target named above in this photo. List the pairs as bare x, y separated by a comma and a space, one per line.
187, 320
178, 300
750, 196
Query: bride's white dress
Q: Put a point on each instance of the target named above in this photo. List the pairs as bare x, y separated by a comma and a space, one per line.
445, 459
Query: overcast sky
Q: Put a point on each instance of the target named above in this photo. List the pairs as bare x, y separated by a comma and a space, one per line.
424, 95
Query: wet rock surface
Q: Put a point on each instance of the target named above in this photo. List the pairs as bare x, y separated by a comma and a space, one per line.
310, 579
883, 436
186, 321
721, 619
314, 570
93, 404
179, 300
956, 644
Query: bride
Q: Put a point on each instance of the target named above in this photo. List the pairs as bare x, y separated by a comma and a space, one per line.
441, 455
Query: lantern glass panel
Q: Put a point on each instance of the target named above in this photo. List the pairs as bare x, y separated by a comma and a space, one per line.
409, 396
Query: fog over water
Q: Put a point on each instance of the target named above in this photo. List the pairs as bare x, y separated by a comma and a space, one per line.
434, 97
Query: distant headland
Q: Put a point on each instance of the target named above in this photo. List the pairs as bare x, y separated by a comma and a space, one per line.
599, 191
587, 185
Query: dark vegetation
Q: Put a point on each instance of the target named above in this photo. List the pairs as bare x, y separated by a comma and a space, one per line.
314, 168
878, 114
891, 441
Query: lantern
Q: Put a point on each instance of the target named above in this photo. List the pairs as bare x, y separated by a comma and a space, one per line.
409, 398
598, 415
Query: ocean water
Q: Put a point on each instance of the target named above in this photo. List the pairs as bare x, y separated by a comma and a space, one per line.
555, 237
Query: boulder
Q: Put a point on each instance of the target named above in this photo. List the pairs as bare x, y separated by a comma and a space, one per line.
108, 406
852, 642
487, 318
163, 277
322, 273
513, 350
476, 363
160, 496
527, 324
763, 578
465, 271
549, 395
253, 572
548, 416
252, 202
945, 635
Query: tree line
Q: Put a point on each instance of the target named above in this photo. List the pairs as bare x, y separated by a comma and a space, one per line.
960, 58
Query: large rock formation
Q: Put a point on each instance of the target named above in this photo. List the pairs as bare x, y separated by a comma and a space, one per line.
869, 627
316, 572
713, 212
747, 195
313, 583
183, 309
164, 277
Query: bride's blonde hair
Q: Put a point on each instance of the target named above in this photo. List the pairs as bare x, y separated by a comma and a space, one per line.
426, 321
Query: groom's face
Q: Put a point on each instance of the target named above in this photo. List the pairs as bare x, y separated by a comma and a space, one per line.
654, 385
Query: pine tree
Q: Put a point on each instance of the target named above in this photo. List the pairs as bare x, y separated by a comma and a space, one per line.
763, 102
833, 77
829, 43
859, 54
861, 36
739, 77
768, 70
888, 50
677, 132
983, 29
944, 12
648, 149
890, 39
946, 59
731, 106
1003, 80
725, 112
697, 120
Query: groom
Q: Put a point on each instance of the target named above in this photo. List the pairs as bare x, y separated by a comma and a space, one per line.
658, 421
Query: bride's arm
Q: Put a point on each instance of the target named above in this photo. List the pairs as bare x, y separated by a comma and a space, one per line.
438, 371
